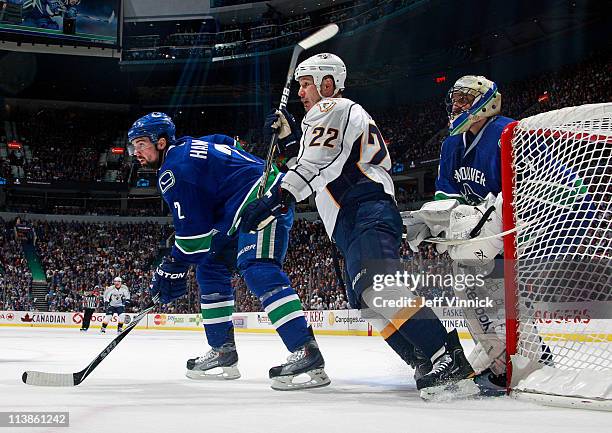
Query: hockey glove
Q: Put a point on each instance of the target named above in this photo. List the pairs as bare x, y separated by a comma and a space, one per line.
416, 230
289, 132
169, 280
275, 202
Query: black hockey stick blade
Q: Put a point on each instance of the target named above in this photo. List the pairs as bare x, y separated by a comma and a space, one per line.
41, 378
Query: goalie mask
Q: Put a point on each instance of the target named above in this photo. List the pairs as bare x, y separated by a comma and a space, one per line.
154, 126
320, 66
471, 99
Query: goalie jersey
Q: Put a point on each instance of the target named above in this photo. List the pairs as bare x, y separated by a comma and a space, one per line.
470, 166
343, 158
206, 183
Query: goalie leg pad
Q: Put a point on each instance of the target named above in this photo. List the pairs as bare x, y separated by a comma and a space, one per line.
486, 324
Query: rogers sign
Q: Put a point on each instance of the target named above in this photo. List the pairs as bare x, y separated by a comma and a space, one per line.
77, 318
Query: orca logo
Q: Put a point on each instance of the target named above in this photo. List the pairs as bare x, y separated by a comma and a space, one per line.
470, 195
166, 181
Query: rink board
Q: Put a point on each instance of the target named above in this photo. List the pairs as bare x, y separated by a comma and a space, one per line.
327, 322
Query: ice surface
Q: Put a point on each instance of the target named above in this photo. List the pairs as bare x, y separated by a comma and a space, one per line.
141, 387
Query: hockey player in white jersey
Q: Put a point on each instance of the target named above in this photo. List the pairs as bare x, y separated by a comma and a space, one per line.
116, 298
343, 160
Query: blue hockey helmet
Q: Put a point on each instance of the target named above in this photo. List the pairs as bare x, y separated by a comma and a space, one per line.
480, 98
153, 125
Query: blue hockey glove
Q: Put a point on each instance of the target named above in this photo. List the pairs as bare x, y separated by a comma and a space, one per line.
283, 122
169, 280
275, 202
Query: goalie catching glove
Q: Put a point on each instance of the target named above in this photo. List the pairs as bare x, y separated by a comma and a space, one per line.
169, 280
473, 222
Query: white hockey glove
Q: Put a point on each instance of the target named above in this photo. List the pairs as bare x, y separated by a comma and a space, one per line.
416, 229
464, 220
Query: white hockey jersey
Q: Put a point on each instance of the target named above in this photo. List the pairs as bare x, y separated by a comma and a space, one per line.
116, 296
341, 148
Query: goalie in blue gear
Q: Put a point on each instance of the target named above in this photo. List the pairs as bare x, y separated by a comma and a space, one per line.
468, 200
207, 182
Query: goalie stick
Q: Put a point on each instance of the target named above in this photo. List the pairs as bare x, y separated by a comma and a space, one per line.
40, 378
316, 38
446, 241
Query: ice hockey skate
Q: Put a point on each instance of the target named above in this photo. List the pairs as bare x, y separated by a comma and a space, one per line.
490, 384
451, 376
304, 369
217, 364
421, 364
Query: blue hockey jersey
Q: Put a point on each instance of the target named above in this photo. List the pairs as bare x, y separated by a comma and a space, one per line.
206, 183
469, 171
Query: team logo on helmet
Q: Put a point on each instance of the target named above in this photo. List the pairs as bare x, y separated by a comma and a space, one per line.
154, 125
320, 66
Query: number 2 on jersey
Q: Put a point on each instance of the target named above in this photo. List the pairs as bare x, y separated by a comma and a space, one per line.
177, 205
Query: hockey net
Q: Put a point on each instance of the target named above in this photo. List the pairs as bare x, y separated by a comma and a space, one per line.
557, 189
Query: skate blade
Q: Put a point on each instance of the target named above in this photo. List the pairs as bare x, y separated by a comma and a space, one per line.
488, 389
217, 373
451, 391
316, 379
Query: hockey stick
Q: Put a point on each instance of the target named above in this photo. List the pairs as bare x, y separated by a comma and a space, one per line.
40, 378
316, 38
446, 241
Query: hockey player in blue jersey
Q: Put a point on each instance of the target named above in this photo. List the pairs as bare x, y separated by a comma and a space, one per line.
470, 159
468, 194
344, 161
207, 182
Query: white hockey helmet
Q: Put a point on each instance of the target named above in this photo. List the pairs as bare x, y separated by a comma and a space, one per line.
320, 66
117, 280
482, 96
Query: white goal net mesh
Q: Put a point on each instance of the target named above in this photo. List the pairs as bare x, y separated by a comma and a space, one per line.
562, 167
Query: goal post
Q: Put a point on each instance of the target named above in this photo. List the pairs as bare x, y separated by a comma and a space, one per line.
557, 190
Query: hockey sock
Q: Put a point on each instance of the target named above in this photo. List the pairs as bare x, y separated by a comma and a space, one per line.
425, 331
217, 320
283, 306
284, 310
419, 325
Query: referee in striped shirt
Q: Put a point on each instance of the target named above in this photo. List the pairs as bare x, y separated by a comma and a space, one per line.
90, 301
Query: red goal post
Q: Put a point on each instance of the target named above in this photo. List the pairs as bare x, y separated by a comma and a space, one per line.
557, 190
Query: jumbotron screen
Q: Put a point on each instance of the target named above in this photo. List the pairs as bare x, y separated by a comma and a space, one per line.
83, 22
